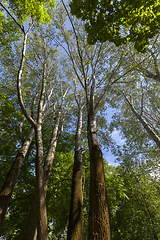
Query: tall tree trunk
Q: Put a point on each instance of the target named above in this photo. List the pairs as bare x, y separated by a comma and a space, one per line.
99, 217
10, 181
75, 227
30, 230
42, 232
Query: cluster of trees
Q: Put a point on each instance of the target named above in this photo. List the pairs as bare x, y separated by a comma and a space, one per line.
55, 91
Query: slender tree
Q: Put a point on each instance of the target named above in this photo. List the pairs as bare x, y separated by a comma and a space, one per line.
10, 181
75, 226
41, 205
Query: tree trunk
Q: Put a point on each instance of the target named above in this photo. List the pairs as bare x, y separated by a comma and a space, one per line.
8, 186
30, 229
75, 226
99, 217
42, 231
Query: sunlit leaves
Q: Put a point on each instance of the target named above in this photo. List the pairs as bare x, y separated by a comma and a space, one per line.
118, 21
31, 8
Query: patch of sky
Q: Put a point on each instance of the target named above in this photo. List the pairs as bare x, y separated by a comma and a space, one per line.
107, 154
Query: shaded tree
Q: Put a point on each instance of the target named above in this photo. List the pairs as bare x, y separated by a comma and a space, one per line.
75, 226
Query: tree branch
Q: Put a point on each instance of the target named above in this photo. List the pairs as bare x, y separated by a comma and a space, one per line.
21, 27
20, 129
152, 134
19, 76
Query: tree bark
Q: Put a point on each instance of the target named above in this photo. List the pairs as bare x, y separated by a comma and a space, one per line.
99, 216
10, 181
75, 226
30, 230
42, 232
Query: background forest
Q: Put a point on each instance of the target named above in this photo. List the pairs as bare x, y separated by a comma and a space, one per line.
54, 89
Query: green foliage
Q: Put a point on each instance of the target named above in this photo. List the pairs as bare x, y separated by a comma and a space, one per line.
118, 21
59, 191
137, 216
34, 9
132, 188
9, 138
9, 33
24, 12
21, 201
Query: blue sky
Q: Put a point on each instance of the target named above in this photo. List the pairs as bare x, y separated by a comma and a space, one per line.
107, 155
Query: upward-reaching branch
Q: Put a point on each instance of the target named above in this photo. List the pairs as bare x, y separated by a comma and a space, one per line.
155, 61
152, 134
19, 77
42, 95
149, 74
77, 40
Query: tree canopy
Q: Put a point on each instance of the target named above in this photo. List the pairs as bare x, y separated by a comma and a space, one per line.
119, 21
64, 89
23, 9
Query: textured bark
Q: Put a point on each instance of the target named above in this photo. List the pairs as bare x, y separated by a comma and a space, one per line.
10, 181
30, 230
42, 232
75, 226
99, 217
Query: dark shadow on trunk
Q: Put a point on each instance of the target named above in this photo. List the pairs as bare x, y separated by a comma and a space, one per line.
99, 214
99, 218
75, 227
42, 229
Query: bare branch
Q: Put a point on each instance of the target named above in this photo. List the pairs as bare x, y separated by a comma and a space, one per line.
47, 100
72, 59
19, 76
77, 40
42, 95
149, 130
142, 98
115, 81
20, 129
75, 91
149, 74
155, 61
61, 131
85, 150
